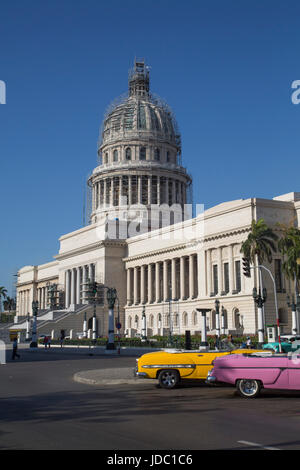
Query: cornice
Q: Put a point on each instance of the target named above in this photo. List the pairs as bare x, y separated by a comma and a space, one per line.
90, 247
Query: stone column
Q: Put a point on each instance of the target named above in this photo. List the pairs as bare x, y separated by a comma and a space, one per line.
129, 296
139, 195
120, 190
104, 192
182, 277
220, 271
142, 294
78, 286
158, 190
150, 290
73, 287
91, 272
84, 279
149, 190
67, 290
111, 199
173, 279
208, 270
165, 280
231, 268
129, 190
191, 277
157, 283
135, 285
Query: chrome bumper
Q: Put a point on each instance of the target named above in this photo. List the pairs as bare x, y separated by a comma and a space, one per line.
210, 379
140, 375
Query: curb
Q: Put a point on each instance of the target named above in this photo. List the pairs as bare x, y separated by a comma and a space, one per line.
80, 378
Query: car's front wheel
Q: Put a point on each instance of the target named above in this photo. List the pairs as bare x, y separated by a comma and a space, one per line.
168, 378
248, 388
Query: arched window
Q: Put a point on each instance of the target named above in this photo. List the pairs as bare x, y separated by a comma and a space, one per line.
159, 320
143, 153
157, 154
195, 318
129, 322
136, 320
128, 153
176, 319
185, 319
236, 318
168, 156
115, 155
151, 321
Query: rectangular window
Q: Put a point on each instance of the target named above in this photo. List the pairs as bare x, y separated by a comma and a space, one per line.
238, 276
215, 278
226, 278
278, 275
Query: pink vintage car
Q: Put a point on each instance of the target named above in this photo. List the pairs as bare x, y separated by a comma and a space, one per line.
251, 373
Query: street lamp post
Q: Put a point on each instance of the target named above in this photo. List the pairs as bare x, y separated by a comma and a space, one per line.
144, 325
295, 306
111, 298
223, 320
27, 328
35, 306
85, 326
260, 299
217, 307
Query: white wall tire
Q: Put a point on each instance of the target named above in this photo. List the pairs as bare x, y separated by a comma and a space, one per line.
248, 388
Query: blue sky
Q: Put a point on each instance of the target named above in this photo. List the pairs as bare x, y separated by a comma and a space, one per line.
224, 66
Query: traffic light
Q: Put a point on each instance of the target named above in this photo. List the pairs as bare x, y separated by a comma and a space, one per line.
246, 267
94, 287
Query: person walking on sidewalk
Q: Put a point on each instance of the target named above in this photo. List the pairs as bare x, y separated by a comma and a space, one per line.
15, 349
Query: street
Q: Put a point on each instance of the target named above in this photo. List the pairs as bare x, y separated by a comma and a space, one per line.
42, 407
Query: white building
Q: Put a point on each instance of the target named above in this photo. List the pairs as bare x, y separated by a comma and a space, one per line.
169, 269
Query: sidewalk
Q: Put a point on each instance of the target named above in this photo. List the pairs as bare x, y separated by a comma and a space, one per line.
118, 376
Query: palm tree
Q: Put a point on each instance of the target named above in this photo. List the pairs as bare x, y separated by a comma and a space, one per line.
260, 244
9, 304
289, 247
3, 294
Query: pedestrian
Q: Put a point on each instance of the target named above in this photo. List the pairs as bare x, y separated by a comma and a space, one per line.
15, 349
45, 341
217, 342
49, 342
61, 339
248, 342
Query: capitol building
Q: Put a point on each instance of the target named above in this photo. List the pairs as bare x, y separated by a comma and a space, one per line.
143, 238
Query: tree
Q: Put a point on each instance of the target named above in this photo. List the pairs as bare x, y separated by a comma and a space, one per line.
289, 247
260, 244
3, 295
9, 304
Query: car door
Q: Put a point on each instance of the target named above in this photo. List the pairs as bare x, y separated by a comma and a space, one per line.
203, 361
294, 370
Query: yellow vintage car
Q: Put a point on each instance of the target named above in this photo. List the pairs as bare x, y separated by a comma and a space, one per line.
172, 366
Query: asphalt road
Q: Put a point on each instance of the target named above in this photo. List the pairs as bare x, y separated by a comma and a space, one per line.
41, 407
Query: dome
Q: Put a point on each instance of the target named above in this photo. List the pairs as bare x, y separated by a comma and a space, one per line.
139, 114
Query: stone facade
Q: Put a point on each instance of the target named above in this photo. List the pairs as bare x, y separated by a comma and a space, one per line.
168, 270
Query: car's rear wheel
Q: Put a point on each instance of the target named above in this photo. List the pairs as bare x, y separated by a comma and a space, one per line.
248, 388
168, 379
